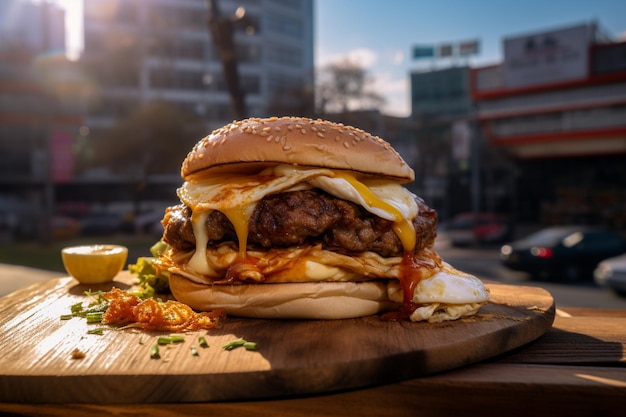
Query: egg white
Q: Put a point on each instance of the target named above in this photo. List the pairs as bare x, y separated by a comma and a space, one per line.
447, 295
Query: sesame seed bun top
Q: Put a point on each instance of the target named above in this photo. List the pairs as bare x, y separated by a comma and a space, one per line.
299, 141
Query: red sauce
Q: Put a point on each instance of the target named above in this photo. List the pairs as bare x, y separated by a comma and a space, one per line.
411, 273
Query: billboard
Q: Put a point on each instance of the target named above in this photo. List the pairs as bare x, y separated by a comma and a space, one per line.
468, 47
548, 57
423, 51
447, 49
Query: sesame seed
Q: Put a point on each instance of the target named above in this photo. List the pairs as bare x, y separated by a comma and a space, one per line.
313, 128
286, 147
303, 131
320, 134
277, 139
346, 145
277, 129
290, 127
269, 138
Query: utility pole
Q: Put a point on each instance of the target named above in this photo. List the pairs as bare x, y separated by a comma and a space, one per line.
475, 163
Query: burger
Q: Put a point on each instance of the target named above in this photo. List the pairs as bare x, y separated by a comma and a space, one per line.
300, 218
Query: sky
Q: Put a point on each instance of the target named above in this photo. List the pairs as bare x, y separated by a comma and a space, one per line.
380, 34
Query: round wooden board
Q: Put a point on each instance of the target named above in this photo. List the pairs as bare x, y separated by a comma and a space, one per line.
294, 357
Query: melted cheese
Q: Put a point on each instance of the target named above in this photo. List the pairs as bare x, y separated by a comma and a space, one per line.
236, 197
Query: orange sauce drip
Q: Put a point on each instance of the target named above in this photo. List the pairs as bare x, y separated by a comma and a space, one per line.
412, 271
237, 271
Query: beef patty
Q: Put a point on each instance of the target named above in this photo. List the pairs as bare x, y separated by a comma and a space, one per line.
304, 217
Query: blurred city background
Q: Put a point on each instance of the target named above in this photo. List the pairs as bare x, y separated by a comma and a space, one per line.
92, 136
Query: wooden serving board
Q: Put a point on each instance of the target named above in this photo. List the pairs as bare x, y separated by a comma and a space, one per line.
294, 357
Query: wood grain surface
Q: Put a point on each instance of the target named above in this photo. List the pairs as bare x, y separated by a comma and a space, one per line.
294, 357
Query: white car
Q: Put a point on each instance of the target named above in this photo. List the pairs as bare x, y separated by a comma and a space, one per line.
611, 273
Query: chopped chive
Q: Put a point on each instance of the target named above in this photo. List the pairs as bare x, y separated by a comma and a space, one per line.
67, 316
141, 340
194, 351
76, 308
250, 346
202, 342
163, 340
99, 331
233, 344
154, 352
177, 338
238, 343
93, 317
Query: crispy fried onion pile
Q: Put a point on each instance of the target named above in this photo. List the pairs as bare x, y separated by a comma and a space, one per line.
127, 309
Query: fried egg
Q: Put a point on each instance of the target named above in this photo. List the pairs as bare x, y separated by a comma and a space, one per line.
447, 295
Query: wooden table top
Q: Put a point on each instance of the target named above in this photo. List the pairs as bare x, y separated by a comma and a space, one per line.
577, 368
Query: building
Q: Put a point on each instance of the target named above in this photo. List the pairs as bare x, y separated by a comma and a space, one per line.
556, 107
456, 171
140, 51
37, 117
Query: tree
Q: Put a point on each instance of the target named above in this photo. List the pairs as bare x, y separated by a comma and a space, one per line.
154, 139
344, 86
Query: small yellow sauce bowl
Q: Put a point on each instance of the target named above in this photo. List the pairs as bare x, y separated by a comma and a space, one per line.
94, 264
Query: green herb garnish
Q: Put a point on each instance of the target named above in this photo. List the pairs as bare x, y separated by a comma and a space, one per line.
202, 342
151, 280
93, 312
177, 338
154, 352
238, 343
173, 338
163, 340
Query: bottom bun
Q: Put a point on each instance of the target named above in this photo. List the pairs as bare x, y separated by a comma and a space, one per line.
305, 300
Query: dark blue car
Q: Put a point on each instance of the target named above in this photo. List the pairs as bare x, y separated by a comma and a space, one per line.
567, 253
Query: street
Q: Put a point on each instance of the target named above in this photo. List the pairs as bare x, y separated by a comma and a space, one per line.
485, 264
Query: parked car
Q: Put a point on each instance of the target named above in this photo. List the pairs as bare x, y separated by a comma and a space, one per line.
567, 253
100, 224
464, 230
611, 273
64, 227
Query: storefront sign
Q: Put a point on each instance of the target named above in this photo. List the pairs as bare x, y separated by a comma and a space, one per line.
548, 57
